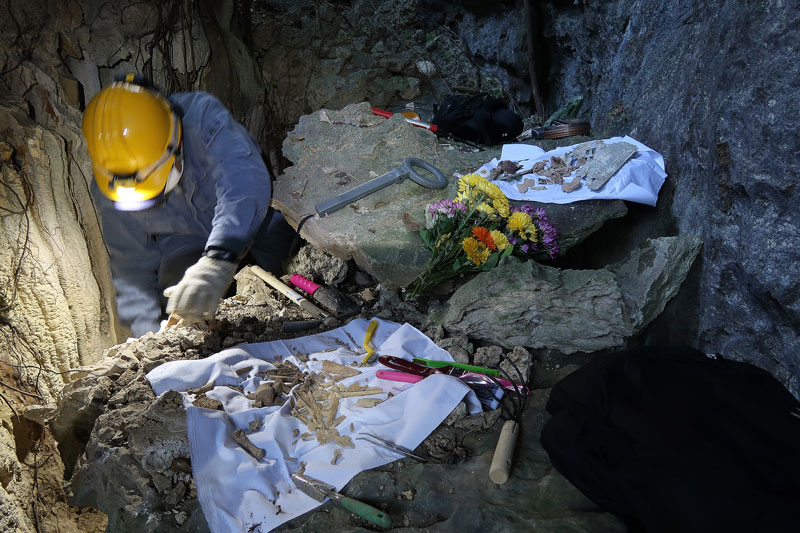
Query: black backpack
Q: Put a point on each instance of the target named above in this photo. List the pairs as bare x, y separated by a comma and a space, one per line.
478, 118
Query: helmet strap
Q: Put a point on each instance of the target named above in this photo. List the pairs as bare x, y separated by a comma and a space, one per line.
175, 173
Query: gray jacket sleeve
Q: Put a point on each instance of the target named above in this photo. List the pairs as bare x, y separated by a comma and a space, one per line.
242, 181
135, 259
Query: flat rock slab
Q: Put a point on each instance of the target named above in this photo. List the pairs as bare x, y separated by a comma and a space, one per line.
536, 306
603, 161
334, 151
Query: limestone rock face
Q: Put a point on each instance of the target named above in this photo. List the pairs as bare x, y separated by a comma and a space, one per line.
679, 79
143, 440
58, 294
57, 291
536, 306
126, 451
56, 298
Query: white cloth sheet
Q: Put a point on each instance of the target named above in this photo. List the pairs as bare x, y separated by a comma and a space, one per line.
240, 493
639, 180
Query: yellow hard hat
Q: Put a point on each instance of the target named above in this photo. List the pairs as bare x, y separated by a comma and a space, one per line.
134, 139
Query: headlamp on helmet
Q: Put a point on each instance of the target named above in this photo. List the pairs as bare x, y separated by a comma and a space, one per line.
134, 140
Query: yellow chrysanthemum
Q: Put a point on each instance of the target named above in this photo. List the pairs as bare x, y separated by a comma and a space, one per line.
501, 205
494, 191
485, 253
468, 181
531, 234
519, 221
500, 240
477, 252
468, 196
470, 246
485, 208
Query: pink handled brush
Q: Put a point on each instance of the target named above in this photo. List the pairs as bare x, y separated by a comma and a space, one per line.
331, 298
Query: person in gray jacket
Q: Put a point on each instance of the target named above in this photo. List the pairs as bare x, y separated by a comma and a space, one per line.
183, 194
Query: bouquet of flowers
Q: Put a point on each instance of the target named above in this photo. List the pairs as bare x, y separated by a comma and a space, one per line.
477, 229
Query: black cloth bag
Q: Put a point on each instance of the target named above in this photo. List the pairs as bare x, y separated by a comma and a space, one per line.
671, 440
477, 118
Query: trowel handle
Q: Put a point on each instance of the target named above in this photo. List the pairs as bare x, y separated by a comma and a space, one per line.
504, 453
367, 512
304, 283
284, 289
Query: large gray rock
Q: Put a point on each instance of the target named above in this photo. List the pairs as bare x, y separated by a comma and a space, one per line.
139, 455
536, 306
333, 151
653, 274
126, 450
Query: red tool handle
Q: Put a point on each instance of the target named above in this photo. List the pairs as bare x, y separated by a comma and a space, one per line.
403, 365
381, 112
304, 283
412, 121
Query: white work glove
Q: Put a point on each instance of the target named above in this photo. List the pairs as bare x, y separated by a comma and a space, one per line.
201, 288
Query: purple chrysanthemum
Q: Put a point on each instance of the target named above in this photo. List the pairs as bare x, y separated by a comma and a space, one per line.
446, 208
549, 233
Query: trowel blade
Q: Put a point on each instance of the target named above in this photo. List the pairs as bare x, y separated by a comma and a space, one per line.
319, 490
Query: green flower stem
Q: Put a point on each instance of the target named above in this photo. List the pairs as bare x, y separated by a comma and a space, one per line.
440, 267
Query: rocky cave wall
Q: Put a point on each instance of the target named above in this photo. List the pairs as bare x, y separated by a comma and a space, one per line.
56, 299
713, 86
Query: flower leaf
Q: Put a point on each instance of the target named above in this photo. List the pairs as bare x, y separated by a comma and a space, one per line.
427, 238
491, 262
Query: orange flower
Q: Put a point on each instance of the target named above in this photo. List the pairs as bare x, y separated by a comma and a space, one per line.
483, 235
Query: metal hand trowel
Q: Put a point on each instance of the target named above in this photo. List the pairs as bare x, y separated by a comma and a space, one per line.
319, 490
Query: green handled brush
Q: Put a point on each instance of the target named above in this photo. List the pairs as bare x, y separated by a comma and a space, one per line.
471, 368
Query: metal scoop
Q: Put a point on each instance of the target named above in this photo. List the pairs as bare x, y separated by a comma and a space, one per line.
319, 490
396, 175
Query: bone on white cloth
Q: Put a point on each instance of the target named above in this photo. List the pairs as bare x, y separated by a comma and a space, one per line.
238, 492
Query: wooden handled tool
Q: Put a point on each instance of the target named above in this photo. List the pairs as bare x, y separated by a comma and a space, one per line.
293, 295
500, 468
504, 452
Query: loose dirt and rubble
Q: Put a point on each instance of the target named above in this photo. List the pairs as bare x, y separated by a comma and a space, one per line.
133, 462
